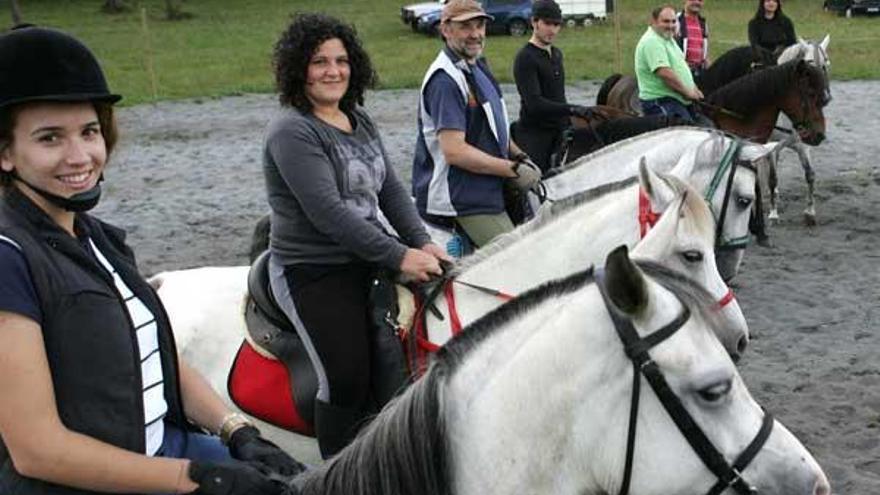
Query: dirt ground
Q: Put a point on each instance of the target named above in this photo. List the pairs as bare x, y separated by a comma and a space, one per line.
186, 183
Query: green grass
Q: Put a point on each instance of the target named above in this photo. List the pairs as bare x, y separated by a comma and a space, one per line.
225, 49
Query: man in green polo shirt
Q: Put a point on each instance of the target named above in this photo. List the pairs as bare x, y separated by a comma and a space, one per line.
666, 86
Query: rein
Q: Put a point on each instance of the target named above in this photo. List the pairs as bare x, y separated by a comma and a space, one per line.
636, 349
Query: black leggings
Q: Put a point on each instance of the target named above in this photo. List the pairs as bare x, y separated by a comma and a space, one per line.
333, 304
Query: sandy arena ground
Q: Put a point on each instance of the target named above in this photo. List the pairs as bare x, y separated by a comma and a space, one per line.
186, 183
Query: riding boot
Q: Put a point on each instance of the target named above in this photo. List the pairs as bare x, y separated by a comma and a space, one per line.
336, 427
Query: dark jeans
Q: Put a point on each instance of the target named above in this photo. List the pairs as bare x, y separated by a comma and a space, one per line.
669, 107
179, 444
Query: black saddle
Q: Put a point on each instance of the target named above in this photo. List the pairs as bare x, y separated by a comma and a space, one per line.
271, 330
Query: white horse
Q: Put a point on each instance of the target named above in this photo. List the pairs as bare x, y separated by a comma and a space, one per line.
543, 396
695, 155
580, 232
817, 55
205, 304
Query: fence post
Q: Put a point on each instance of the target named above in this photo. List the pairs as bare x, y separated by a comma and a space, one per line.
148, 55
618, 62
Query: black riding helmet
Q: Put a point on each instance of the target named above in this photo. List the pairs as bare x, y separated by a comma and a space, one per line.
546, 10
39, 64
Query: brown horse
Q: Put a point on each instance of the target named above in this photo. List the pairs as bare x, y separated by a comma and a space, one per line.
606, 125
749, 106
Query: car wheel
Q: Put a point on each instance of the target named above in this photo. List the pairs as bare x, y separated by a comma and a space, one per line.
435, 29
571, 22
517, 27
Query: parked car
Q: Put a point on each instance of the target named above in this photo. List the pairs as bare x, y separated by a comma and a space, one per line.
850, 7
584, 12
510, 17
410, 14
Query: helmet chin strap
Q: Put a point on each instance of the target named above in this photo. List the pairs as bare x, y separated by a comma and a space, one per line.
79, 202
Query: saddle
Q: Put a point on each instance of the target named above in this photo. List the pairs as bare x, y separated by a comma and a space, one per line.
273, 378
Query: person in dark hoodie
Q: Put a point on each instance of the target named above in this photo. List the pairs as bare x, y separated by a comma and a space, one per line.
95, 397
770, 31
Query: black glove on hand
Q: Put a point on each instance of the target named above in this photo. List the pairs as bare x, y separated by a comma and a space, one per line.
582, 112
528, 174
246, 444
215, 478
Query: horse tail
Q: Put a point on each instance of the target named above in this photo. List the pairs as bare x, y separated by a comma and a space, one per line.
602, 97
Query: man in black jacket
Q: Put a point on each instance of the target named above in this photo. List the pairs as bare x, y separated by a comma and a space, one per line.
540, 80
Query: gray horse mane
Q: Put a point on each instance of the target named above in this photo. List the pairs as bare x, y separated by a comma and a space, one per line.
708, 155
613, 147
404, 451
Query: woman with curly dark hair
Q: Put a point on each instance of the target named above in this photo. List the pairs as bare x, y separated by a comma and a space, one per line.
770, 31
327, 178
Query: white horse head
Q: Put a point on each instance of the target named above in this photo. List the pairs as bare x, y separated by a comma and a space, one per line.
692, 154
536, 397
810, 51
580, 231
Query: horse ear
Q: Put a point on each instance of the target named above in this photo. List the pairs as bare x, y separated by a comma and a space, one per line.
655, 186
825, 41
624, 282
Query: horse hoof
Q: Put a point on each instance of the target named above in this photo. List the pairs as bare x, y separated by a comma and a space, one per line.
764, 241
809, 220
773, 215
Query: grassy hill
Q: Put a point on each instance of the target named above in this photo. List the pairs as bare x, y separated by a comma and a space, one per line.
225, 48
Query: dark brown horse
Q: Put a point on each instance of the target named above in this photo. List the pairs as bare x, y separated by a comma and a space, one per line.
749, 106
606, 125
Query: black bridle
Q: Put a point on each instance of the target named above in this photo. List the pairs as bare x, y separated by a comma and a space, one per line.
636, 349
729, 161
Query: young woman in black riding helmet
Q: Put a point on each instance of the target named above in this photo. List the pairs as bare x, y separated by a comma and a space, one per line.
770, 30
94, 396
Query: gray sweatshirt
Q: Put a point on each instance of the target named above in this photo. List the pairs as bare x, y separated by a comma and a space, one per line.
325, 188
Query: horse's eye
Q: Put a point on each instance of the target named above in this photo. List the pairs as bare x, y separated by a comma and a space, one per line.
692, 256
716, 392
743, 202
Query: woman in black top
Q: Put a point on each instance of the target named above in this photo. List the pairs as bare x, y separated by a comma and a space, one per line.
94, 396
770, 30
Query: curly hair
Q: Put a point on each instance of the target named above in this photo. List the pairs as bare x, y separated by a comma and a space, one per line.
294, 51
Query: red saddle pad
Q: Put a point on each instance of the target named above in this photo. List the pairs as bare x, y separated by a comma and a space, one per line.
261, 387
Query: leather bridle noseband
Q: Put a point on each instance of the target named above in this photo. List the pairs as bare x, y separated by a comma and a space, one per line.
730, 161
636, 349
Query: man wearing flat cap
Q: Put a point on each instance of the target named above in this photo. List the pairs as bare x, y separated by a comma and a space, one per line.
464, 153
538, 70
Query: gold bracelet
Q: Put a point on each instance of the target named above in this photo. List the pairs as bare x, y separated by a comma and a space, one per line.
232, 422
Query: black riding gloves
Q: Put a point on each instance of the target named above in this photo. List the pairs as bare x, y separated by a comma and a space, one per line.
583, 112
528, 174
246, 444
234, 478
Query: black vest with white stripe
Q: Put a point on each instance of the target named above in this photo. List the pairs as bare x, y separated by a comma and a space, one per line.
90, 344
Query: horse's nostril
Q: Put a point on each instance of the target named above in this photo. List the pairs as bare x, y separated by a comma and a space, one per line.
822, 487
741, 345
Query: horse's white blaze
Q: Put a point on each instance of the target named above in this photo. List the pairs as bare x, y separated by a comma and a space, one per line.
564, 363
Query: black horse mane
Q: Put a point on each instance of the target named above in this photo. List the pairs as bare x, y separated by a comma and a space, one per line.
758, 89
404, 451
733, 64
